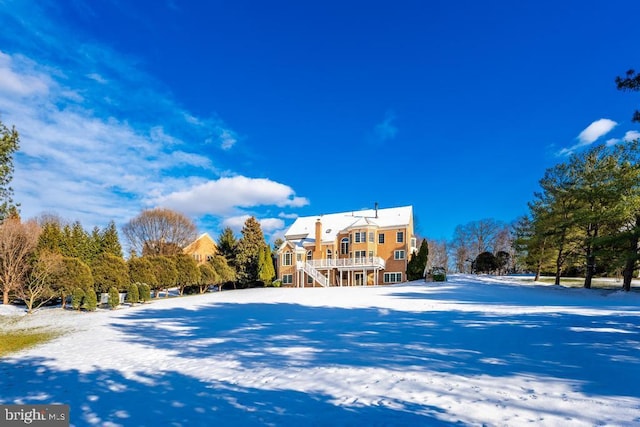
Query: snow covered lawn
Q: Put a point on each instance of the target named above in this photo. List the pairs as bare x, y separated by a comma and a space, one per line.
470, 351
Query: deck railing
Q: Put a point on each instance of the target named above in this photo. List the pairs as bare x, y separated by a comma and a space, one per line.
371, 262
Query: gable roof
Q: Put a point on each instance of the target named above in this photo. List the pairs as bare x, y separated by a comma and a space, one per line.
332, 224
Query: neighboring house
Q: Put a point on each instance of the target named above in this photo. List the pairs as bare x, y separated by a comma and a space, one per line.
368, 247
201, 249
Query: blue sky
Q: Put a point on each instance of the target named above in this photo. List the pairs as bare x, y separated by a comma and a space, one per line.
281, 109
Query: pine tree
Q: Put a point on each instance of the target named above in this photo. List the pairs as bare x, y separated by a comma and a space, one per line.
9, 144
418, 262
249, 246
109, 240
227, 245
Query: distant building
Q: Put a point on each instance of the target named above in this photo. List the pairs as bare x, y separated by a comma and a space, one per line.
201, 249
367, 247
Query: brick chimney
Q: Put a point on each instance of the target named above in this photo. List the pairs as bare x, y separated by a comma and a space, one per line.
318, 248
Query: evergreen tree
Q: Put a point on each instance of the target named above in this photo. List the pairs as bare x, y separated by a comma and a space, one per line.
9, 144
208, 277
114, 297
225, 272
227, 245
485, 262
110, 271
418, 262
187, 271
141, 270
144, 291
266, 271
94, 245
165, 272
50, 239
77, 298
73, 274
132, 294
109, 240
249, 245
91, 300
631, 83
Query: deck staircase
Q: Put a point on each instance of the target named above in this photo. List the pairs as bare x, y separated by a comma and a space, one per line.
311, 271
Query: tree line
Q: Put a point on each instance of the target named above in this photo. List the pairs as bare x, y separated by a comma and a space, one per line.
49, 258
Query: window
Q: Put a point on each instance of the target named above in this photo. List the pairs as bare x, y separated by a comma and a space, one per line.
398, 255
196, 257
209, 257
360, 237
344, 246
400, 237
329, 254
309, 255
360, 254
372, 236
392, 277
371, 254
309, 279
414, 242
381, 238
287, 279
286, 258
298, 257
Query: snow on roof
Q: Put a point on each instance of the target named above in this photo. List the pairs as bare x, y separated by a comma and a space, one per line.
332, 224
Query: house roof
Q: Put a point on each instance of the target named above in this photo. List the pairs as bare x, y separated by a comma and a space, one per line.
204, 237
332, 224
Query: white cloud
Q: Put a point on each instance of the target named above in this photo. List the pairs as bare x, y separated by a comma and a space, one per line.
595, 130
612, 141
591, 134
631, 135
21, 83
287, 215
225, 195
227, 138
270, 224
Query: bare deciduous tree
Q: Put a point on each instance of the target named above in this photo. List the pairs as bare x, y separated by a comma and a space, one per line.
159, 232
35, 290
438, 256
17, 243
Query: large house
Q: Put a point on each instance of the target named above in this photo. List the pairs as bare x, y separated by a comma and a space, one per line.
367, 247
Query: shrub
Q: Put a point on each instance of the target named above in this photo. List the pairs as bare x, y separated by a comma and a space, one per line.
439, 277
276, 283
90, 300
114, 297
133, 296
77, 298
144, 291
